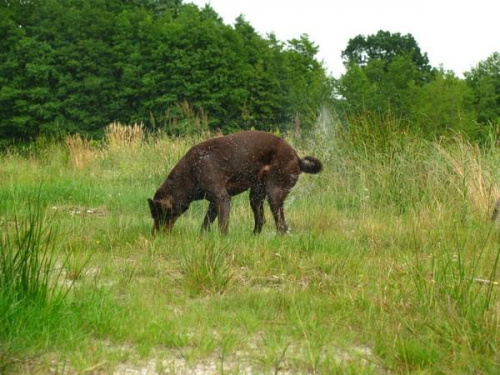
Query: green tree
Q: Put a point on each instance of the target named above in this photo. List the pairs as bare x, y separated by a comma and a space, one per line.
378, 87
388, 73
445, 103
484, 81
382, 71
308, 86
261, 76
25, 72
386, 46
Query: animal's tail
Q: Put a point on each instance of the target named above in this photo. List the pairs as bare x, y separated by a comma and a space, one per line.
310, 164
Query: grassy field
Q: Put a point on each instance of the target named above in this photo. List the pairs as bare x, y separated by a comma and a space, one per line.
391, 267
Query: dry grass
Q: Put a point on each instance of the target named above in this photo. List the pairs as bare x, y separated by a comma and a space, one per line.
120, 137
474, 180
81, 152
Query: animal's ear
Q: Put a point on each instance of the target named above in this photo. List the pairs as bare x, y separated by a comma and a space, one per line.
166, 204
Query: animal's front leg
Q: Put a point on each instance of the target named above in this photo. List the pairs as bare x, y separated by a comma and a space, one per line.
213, 184
210, 216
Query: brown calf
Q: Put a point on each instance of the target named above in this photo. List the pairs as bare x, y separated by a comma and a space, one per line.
222, 167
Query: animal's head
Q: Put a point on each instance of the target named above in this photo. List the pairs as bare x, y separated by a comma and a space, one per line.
163, 214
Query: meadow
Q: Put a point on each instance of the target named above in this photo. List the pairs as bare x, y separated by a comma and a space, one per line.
391, 266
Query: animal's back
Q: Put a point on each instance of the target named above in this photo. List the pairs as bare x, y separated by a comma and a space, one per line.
241, 153
245, 142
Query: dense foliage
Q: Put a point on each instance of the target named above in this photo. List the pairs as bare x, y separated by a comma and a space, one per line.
77, 65
484, 79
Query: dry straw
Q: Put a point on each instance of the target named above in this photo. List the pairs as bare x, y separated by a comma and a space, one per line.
81, 152
474, 180
121, 137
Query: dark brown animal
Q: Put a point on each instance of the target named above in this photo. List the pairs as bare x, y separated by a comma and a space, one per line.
222, 167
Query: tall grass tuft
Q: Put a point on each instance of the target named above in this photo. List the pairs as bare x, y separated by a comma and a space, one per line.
374, 133
80, 150
27, 260
453, 274
473, 181
456, 285
206, 269
122, 137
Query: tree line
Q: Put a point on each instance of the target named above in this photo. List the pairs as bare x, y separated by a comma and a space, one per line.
76, 65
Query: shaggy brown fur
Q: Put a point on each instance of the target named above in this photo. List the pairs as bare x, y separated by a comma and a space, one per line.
222, 167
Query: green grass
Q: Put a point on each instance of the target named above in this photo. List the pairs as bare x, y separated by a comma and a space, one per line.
392, 264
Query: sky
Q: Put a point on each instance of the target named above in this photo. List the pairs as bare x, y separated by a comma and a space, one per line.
455, 34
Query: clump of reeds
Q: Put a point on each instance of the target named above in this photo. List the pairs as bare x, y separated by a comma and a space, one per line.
27, 260
120, 137
473, 180
81, 151
206, 270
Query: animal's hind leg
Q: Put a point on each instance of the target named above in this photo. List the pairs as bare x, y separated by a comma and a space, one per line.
276, 197
210, 216
257, 196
